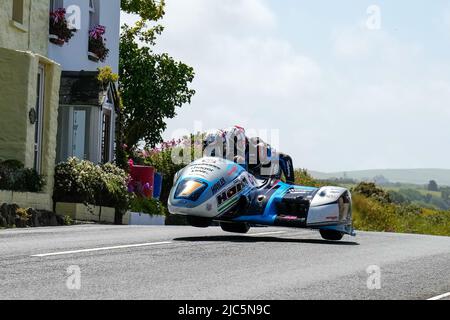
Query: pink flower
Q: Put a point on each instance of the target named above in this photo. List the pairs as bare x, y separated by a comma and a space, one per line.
58, 15
97, 32
147, 186
131, 163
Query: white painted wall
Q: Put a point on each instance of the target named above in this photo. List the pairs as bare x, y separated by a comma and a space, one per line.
73, 56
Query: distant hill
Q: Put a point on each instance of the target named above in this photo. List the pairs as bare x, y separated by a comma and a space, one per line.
407, 176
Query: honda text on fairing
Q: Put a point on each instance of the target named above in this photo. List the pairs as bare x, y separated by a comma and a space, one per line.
214, 189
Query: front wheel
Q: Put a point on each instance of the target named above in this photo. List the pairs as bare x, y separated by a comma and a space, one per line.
331, 235
199, 222
235, 227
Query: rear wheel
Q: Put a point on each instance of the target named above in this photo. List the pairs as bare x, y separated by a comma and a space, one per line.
199, 222
235, 227
331, 235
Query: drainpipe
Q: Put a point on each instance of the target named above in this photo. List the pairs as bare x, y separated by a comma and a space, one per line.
29, 25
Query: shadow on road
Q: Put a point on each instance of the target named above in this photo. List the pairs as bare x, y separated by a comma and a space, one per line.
243, 239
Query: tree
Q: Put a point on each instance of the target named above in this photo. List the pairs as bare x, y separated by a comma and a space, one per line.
152, 85
433, 186
380, 180
445, 194
370, 190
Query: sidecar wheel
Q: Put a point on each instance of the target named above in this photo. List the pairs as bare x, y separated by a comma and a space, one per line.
331, 235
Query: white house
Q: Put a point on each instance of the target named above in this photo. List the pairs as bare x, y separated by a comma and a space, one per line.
87, 111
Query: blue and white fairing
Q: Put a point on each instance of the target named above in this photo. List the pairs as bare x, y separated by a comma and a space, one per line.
208, 186
221, 190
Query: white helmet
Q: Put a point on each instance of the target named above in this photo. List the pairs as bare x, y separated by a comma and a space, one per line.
259, 147
235, 138
213, 140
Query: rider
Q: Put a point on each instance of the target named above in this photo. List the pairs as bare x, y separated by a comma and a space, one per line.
256, 156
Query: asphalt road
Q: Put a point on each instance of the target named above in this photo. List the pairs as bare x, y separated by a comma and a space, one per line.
187, 263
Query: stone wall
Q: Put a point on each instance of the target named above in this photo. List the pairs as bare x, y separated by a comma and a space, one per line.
80, 212
11, 215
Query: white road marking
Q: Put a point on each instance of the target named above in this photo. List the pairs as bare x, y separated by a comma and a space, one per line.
440, 297
101, 249
266, 233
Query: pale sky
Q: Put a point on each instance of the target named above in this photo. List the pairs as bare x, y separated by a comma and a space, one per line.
342, 95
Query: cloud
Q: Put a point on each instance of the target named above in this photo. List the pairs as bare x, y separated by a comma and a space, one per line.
242, 69
371, 101
446, 17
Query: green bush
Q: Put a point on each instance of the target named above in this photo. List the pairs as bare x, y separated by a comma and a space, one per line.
377, 210
370, 190
149, 206
303, 178
14, 177
79, 181
373, 215
373, 211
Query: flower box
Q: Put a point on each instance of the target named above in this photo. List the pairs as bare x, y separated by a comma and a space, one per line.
81, 212
97, 44
144, 219
93, 57
60, 31
56, 40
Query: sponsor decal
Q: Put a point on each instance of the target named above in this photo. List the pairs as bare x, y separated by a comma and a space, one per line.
233, 170
209, 160
218, 186
230, 193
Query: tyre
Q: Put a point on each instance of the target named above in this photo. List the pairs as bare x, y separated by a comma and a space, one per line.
199, 222
235, 227
331, 235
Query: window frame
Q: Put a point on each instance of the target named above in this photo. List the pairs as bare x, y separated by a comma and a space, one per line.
18, 11
56, 4
94, 13
107, 108
92, 6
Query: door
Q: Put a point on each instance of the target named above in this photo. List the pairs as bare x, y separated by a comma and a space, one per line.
106, 136
39, 119
79, 134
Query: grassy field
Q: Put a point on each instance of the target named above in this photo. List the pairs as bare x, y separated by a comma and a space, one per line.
420, 189
372, 215
374, 208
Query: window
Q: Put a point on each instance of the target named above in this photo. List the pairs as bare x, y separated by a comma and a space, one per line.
39, 120
79, 134
56, 4
17, 14
76, 133
94, 13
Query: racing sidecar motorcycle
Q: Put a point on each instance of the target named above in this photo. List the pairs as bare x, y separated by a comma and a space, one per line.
214, 189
